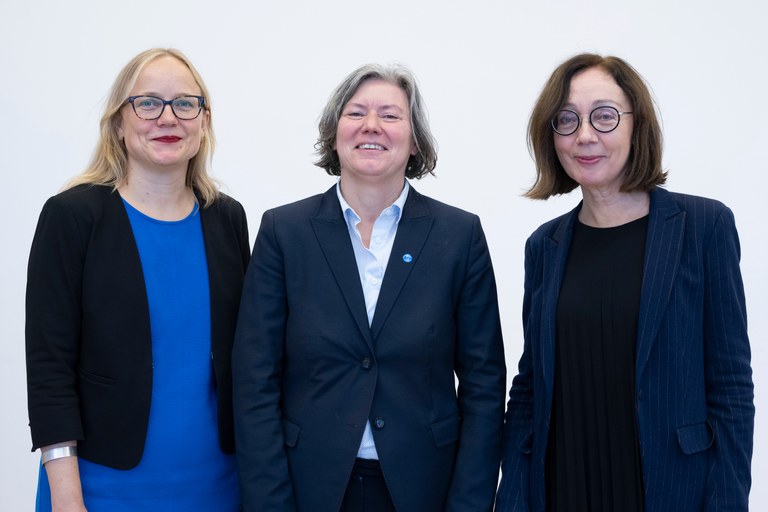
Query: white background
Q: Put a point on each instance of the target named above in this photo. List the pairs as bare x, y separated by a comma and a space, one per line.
271, 66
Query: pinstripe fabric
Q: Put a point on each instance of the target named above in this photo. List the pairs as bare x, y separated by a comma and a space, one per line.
694, 388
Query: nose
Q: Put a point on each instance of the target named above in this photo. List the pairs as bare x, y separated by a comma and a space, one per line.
167, 116
586, 133
371, 123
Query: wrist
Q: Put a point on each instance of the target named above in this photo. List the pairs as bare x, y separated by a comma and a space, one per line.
59, 452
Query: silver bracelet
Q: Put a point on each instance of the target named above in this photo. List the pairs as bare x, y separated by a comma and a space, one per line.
59, 452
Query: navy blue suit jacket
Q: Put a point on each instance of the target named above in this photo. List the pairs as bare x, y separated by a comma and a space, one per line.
694, 391
309, 371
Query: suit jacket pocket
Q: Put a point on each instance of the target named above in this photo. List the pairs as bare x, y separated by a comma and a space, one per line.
94, 377
290, 432
695, 438
446, 431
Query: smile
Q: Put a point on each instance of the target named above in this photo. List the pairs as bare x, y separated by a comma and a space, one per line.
588, 159
168, 139
371, 146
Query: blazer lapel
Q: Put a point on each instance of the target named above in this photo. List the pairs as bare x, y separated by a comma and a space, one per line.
663, 246
333, 236
554, 259
412, 231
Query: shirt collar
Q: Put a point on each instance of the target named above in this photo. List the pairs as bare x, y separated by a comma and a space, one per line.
352, 218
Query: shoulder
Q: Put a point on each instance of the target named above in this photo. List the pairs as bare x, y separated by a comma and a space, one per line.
688, 202
554, 228
83, 203
224, 205
82, 196
418, 204
700, 211
306, 207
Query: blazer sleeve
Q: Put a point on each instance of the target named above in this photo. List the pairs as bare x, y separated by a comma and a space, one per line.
481, 371
52, 333
257, 362
728, 374
513, 493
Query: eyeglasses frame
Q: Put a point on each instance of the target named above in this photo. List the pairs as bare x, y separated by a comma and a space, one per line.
131, 99
588, 116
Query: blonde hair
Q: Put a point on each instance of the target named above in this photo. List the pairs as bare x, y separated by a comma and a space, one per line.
108, 164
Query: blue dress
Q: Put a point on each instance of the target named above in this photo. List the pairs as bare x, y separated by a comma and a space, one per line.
182, 467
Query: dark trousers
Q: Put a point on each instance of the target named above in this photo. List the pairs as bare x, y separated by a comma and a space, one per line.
367, 491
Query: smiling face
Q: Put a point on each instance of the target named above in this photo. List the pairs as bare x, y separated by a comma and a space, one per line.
165, 143
595, 160
374, 138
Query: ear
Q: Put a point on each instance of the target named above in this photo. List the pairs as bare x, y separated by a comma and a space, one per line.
206, 119
414, 150
118, 126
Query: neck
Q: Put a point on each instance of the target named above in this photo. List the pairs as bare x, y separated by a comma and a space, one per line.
615, 209
160, 196
370, 199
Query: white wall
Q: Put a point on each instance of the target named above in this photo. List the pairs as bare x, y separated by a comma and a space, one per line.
271, 66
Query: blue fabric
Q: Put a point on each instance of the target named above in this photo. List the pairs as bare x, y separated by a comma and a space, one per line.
182, 468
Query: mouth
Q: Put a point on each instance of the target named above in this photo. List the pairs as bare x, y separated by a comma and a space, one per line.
588, 159
168, 139
375, 147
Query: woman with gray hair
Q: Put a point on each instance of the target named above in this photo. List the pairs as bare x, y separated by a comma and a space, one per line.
361, 308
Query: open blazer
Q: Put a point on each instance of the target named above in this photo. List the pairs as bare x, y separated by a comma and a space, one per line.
309, 371
89, 348
694, 392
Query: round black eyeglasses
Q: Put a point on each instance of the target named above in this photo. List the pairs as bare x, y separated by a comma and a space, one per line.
152, 107
602, 119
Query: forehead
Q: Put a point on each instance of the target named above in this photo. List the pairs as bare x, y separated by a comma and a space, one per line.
165, 72
380, 91
594, 85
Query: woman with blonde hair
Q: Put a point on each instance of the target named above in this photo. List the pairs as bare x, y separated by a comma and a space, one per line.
133, 288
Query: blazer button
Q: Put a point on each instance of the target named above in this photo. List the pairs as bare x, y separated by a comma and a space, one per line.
366, 363
379, 422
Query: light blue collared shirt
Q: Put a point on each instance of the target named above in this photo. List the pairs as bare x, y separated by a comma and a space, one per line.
371, 265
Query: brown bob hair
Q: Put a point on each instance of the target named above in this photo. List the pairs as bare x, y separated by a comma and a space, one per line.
643, 170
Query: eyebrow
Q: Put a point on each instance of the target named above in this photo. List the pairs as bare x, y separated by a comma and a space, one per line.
382, 107
158, 95
595, 103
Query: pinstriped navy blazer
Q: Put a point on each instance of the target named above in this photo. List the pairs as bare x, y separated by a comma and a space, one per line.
694, 391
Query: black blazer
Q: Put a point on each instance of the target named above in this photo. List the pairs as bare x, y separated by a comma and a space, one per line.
308, 371
88, 342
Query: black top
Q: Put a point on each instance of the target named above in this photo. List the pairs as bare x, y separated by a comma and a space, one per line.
593, 458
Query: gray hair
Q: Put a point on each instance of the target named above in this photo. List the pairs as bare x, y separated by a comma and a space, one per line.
420, 164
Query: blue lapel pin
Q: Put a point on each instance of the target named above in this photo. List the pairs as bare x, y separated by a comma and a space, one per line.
407, 258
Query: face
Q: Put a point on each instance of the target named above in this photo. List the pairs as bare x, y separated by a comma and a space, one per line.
167, 142
593, 159
374, 138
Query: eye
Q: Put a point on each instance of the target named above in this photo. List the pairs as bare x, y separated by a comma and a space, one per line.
147, 103
390, 117
605, 115
185, 103
354, 114
566, 118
